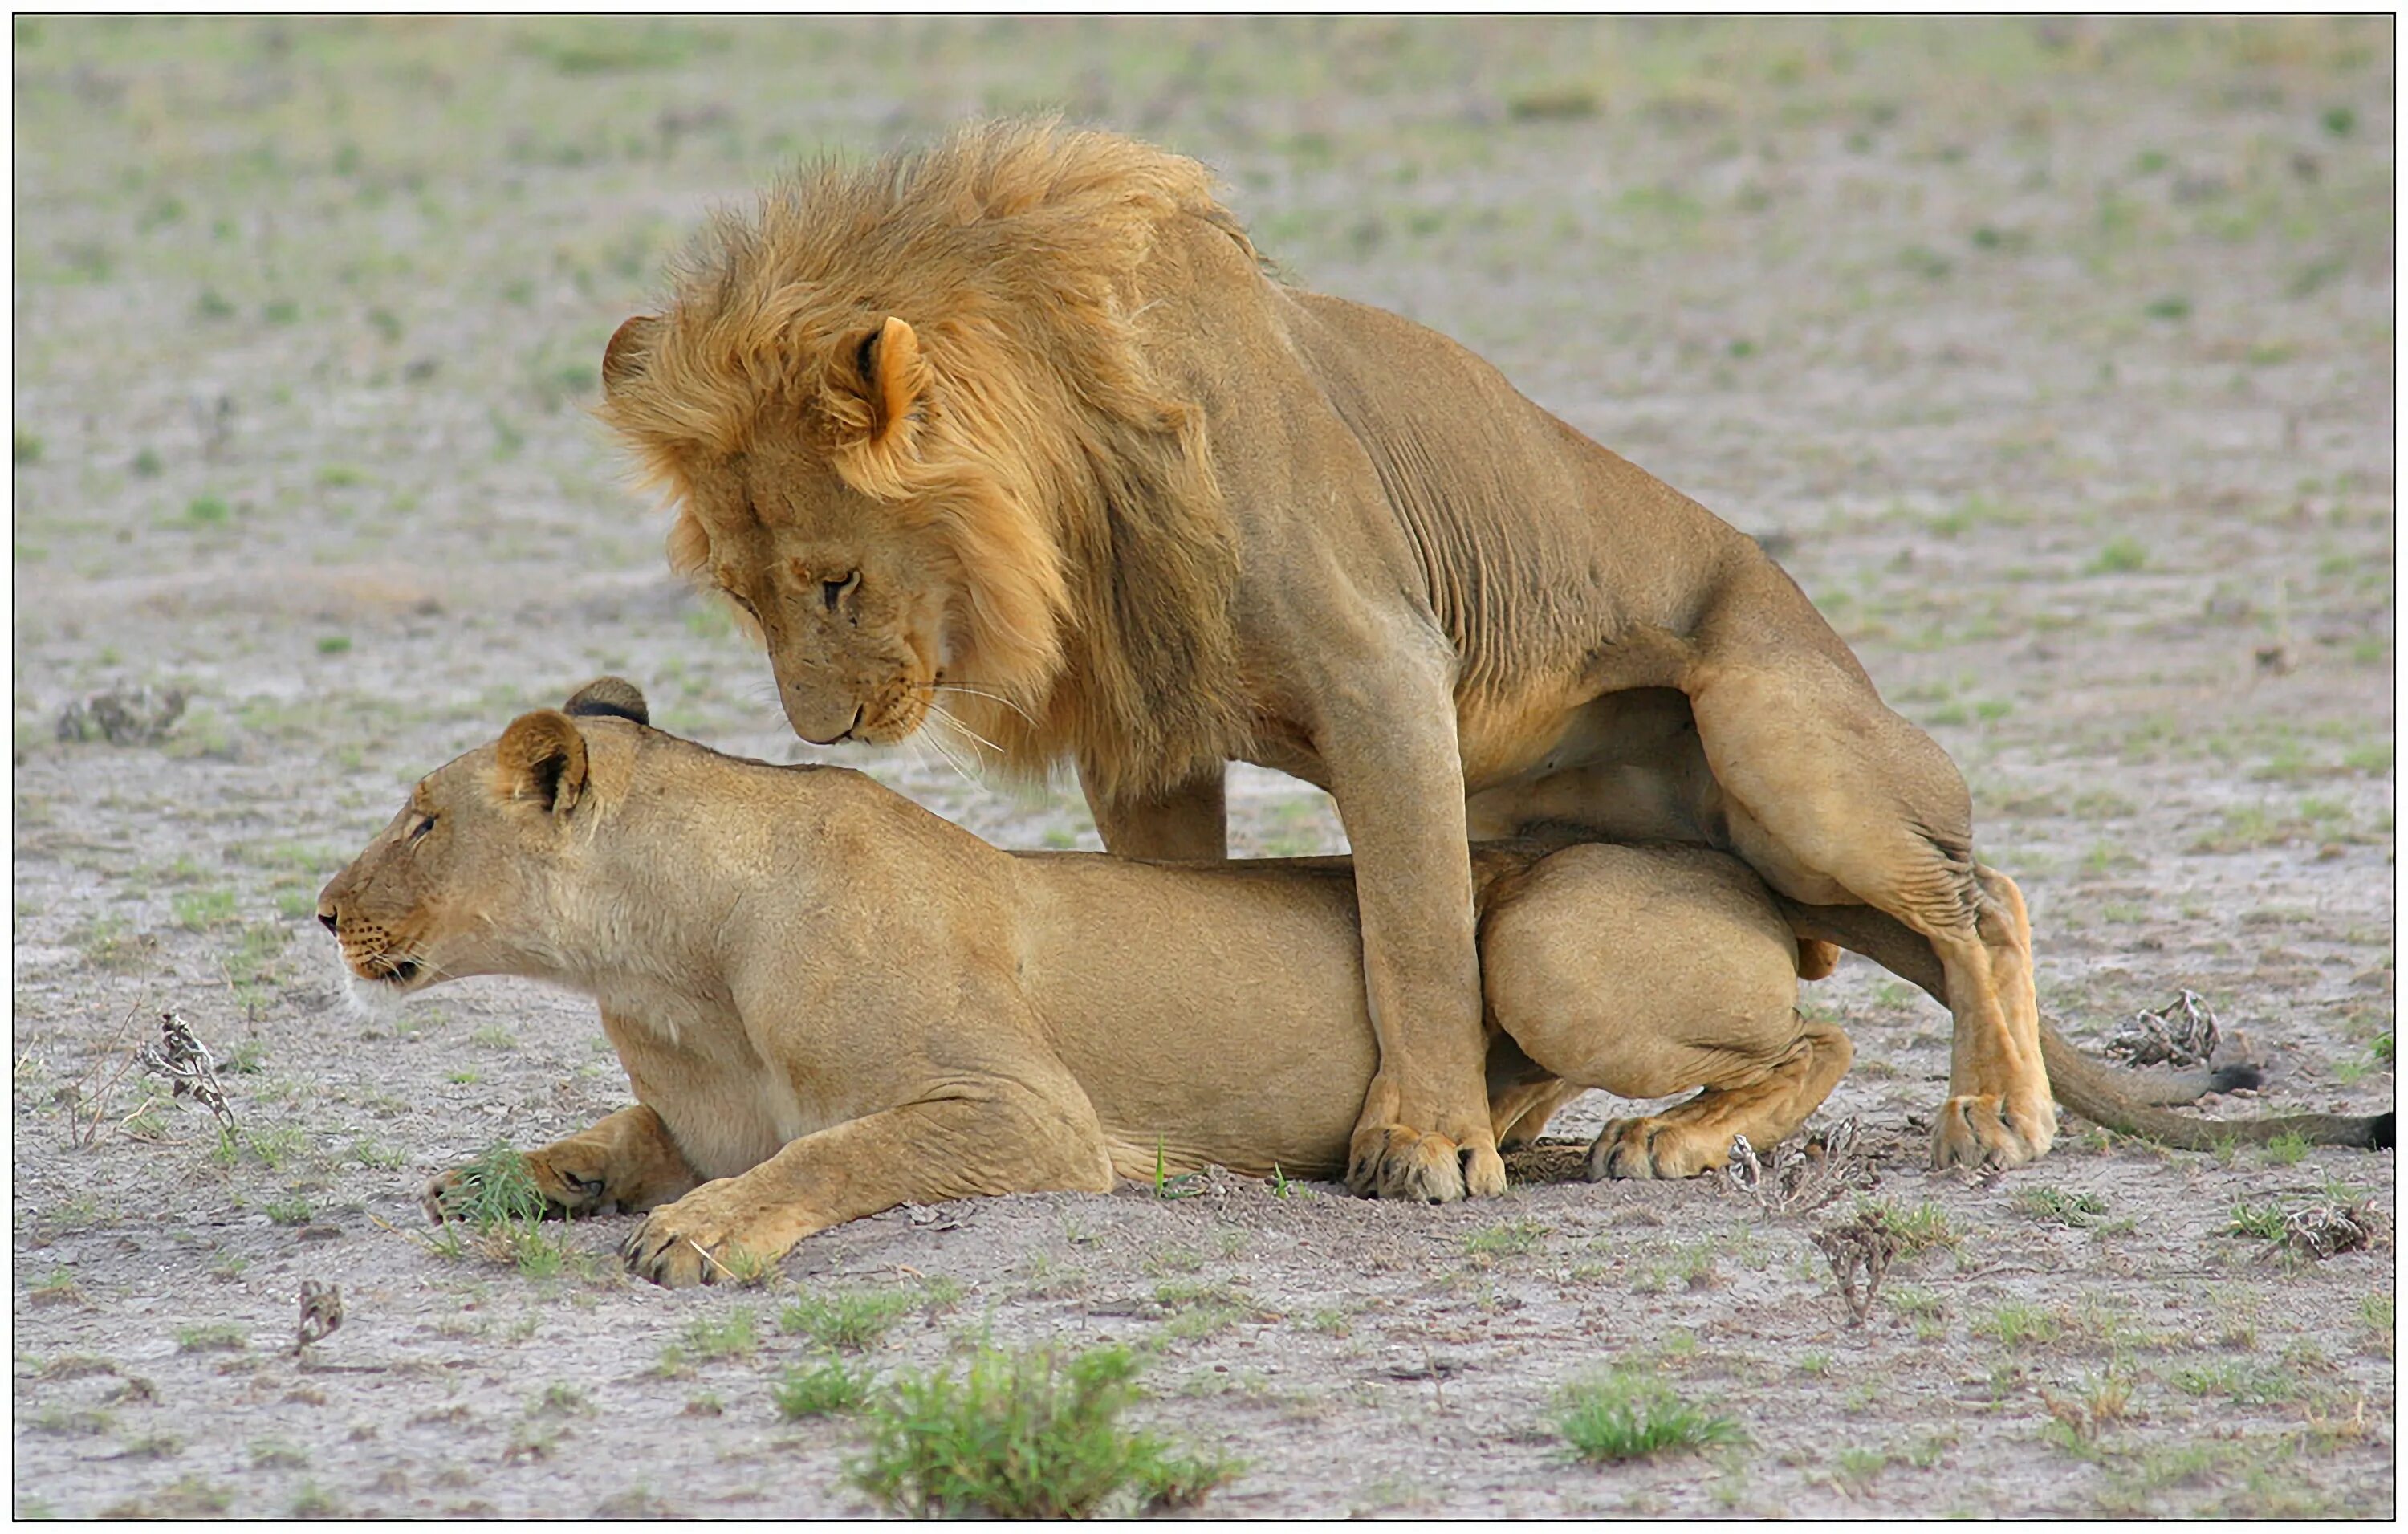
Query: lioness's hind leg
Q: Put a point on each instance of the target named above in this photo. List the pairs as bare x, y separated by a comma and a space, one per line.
1695, 1136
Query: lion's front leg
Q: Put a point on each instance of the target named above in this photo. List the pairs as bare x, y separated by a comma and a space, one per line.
1004, 1140
626, 1161
1387, 736
1189, 823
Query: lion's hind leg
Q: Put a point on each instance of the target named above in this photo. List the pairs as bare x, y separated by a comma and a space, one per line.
1519, 1115
1835, 799
1695, 1136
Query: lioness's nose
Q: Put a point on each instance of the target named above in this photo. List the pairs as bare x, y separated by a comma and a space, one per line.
326, 917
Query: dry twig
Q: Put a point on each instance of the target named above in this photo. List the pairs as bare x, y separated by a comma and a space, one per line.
2326, 1230
1801, 1174
123, 716
191, 1070
321, 1312
2183, 1033
87, 1097
1859, 1253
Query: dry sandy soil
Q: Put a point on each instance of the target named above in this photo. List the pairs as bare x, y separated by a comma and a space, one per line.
2055, 359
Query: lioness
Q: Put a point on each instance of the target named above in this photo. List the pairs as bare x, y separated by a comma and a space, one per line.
829, 1002
1020, 430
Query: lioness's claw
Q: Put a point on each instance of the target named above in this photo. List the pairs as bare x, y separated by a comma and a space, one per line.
1984, 1130
1395, 1162
1657, 1146
1625, 1149
677, 1249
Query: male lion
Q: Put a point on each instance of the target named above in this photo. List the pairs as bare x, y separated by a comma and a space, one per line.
1018, 429
829, 1002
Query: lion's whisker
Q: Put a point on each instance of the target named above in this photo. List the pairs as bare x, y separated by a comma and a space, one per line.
981, 692
954, 722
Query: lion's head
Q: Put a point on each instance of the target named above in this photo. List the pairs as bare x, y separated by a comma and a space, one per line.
466, 874
914, 438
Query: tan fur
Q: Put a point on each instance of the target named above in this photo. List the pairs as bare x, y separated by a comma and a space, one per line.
829, 1002
1124, 499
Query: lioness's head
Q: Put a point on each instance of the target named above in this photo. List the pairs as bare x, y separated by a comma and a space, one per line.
462, 879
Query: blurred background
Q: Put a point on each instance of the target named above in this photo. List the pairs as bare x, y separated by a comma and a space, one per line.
2053, 356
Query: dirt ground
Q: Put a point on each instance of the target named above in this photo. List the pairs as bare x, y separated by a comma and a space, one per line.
2055, 359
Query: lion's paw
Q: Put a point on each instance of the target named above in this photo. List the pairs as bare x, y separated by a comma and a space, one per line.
1653, 1147
693, 1241
1985, 1129
1392, 1161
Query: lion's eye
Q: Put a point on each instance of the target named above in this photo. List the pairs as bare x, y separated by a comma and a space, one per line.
833, 592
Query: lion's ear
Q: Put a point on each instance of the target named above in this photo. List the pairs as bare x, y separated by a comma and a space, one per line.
630, 349
893, 380
541, 757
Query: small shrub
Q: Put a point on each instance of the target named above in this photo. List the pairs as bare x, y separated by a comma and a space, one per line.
1024, 1435
2054, 1206
217, 1339
1513, 1238
2264, 1222
850, 1322
1625, 1417
2284, 1150
2018, 1323
2119, 556
731, 1336
1917, 1229
561, 1399
822, 1391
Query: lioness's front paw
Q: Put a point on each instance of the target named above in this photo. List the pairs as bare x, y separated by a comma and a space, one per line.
1392, 1161
1983, 1129
1654, 1147
548, 1190
690, 1242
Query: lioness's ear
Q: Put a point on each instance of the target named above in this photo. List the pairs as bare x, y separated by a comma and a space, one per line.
614, 697
541, 757
893, 377
631, 348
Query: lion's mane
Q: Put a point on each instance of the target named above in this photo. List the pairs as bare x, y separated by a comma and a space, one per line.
1072, 484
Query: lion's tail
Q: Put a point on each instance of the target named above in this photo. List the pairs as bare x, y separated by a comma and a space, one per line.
2122, 1100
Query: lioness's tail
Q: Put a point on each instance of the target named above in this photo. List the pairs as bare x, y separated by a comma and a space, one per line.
2117, 1099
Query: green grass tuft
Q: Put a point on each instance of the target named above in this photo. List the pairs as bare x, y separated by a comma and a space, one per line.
1625, 1417
1024, 1435
825, 1390
850, 1322
495, 1189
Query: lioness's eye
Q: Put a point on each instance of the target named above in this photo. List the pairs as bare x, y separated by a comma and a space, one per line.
833, 592
419, 831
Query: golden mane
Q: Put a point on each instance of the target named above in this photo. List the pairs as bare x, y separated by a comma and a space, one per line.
1071, 485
